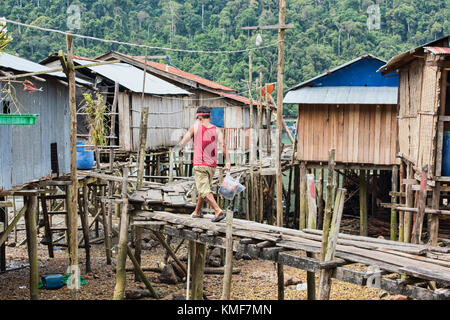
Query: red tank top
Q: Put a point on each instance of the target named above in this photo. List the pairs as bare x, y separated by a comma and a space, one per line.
205, 146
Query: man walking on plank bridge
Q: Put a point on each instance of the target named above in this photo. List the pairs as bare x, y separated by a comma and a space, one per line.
206, 136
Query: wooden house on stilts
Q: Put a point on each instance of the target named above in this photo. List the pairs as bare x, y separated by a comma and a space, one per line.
230, 110
353, 110
423, 138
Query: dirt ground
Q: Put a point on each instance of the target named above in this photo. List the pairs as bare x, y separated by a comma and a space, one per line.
256, 281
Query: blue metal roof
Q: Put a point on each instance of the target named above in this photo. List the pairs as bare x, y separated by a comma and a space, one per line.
354, 82
359, 72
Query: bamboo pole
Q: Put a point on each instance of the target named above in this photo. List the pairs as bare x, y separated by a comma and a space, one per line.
31, 230
137, 249
48, 232
325, 274
401, 219
160, 238
119, 290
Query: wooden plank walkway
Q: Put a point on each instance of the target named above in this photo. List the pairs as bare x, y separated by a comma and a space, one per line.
420, 263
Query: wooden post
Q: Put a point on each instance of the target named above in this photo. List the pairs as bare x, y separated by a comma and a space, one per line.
119, 290
142, 131
401, 229
363, 231
3, 227
279, 181
171, 162
73, 188
296, 195
325, 274
31, 230
84, 211
226, 291
394, 218
112, 140
320, 199
106, 227
312, 222
303, 197
137, 249
269, 129
198, 267
11, 226
434, 219
48, 232
328, 203
421, 205
409, 204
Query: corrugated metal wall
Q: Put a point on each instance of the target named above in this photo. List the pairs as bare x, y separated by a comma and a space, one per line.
165, 121
25, 150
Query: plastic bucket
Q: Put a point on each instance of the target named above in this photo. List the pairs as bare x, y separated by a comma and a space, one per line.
85, 158
446, 155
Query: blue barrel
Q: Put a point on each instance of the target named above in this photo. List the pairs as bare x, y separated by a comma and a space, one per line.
85, 158
446, 155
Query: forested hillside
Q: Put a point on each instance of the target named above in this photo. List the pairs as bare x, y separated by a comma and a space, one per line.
327, 32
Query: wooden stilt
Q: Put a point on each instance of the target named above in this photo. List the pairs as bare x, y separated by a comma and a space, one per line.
166, 246
48, 232
31, 230
83, 209
401, 228
363, 230
312, 221
198, 265
3, 226
303, 197
142, 130
119, 290
320, 198
328, 203
72, 205
226, 291
409, 204
325, 274
107, 226
421, 205
137, 249
434, 219
394, 218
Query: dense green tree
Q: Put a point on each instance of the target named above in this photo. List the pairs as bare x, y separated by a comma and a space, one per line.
327, 32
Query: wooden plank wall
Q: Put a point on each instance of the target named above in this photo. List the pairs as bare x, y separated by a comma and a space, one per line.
363, 134
419, 101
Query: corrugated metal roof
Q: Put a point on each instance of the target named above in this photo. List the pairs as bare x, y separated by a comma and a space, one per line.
343, 95
131, 78
439, 50
404, 57
20, 64
186, 75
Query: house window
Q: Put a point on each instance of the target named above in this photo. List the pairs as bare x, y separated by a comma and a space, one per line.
6, 107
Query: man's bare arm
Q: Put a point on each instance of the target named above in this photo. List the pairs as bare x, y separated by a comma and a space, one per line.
187, 137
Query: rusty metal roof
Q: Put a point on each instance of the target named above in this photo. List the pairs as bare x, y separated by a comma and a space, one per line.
439, 50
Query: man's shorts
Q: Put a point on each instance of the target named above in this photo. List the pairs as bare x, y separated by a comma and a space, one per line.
203, 178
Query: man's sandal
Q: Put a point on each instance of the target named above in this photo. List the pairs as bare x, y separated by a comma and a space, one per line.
220, 217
